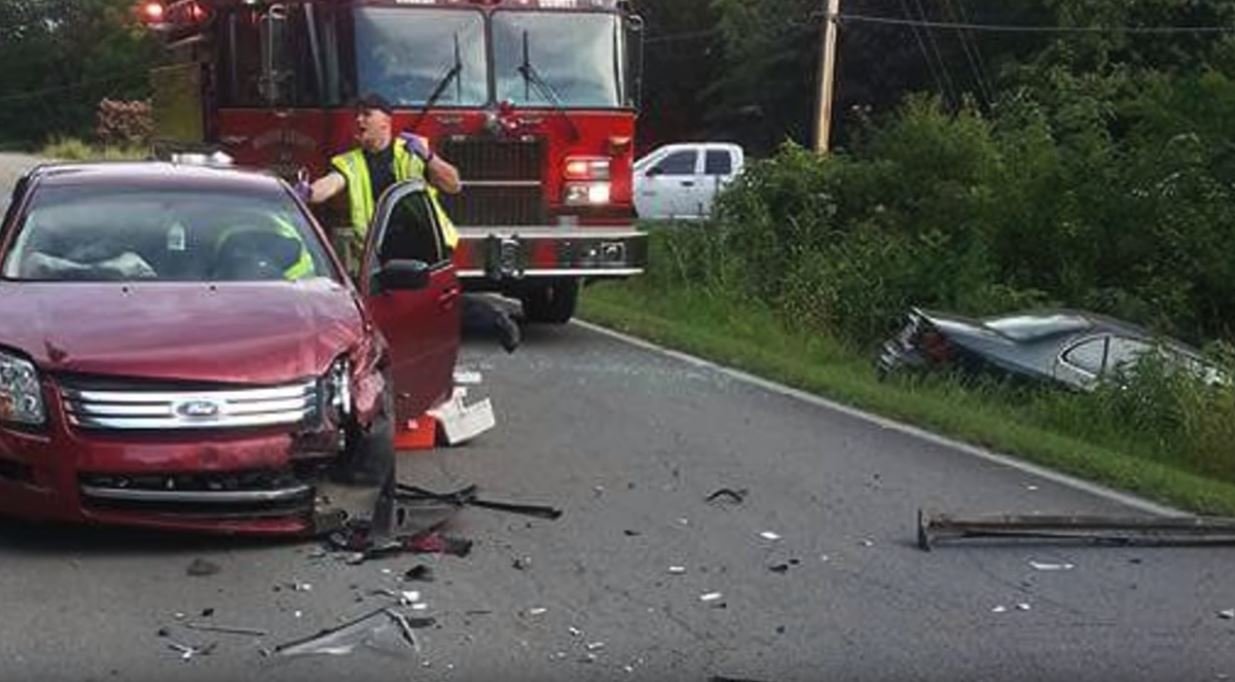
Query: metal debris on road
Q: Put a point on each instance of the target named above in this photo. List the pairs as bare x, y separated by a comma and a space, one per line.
202, 567
779, 568
226, 629
1142, 530
468, 497
207, 612
1042, 566
728, 496
769, 535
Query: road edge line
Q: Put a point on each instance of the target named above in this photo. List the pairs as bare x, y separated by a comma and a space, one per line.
1088, 487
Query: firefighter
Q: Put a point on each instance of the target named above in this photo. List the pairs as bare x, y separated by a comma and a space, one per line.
381, 160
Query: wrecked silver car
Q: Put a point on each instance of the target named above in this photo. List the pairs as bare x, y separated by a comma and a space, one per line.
1070, 348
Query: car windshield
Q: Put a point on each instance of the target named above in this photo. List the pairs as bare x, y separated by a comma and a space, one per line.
407, 55
76, 233
576, 56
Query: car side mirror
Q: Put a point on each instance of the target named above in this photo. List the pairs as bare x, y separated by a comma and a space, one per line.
404, 275
654, 171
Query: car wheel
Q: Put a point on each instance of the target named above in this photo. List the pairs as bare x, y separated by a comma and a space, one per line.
369, 458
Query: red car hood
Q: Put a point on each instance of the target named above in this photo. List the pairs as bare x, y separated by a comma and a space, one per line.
259, 333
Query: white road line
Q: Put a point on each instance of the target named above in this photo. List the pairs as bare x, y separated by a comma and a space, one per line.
1104, 492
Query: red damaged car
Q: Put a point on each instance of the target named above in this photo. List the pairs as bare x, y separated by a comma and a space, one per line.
180, 347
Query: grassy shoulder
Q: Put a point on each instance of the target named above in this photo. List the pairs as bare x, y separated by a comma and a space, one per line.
748, 337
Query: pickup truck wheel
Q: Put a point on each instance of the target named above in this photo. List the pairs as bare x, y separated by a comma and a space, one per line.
552, 303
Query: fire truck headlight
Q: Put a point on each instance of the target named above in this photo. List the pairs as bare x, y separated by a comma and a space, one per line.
585, 168
587, 193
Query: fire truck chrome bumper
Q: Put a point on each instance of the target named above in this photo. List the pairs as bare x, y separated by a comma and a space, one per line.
504, 254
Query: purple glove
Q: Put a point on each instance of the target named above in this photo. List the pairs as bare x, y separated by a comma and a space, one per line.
418, 145
303, 189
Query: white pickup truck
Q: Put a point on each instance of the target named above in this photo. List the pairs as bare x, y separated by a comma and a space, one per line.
680, 181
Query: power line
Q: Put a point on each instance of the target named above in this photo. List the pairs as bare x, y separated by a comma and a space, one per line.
930, 64
1024, 28
676, 37
68, 88
979, 77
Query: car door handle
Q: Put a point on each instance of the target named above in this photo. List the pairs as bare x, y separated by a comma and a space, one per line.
688, 183
447, 298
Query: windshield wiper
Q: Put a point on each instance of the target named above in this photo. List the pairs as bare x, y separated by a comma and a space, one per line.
531, 76
454, 73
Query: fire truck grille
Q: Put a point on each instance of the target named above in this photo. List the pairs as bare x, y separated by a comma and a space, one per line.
502, 181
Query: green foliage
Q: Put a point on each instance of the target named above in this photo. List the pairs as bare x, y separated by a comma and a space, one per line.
75, 149
58, 58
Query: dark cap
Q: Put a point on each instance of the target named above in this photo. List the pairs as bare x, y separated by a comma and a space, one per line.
373, 100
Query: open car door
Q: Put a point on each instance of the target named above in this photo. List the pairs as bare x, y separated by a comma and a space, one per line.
409, 284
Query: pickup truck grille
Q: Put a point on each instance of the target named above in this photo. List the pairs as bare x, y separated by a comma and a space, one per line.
502, 181
156, 410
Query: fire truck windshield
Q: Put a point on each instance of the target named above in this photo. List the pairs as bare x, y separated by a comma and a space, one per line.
575, 54
404, 55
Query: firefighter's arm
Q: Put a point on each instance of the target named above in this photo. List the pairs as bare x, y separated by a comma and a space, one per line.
326, 187
444, 176
439, 172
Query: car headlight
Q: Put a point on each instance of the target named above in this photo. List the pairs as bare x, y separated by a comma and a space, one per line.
339, 388
21, 394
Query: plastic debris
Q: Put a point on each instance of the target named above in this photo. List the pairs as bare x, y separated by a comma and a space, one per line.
587, 658
999, 609
1023, 606
207, 612
1227, 614
522, 563
825, 558
187, 651
574, 631
468, 377
461, 422
728, 496
677, 570
380, 629
1031, 488
226, 629
1042, 566
537, 611
769, 535
421, 572
779, 568
420, 606
594, 646
409, 597
684, 521
867, 543
631, 533
202, 567
711, 597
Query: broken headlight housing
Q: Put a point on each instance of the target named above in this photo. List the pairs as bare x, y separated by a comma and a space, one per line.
21, 393
338, 389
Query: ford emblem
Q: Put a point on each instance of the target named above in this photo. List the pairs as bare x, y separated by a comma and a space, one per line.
198, 409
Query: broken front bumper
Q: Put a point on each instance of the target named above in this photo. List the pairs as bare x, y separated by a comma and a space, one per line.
514, 253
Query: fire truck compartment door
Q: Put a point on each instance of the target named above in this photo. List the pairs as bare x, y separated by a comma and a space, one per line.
420, 321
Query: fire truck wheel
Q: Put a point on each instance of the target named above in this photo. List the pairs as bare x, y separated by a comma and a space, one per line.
552, 303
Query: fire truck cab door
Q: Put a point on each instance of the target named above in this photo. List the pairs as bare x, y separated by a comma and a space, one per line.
411, 290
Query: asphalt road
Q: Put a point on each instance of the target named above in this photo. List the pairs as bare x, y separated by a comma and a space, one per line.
629, 443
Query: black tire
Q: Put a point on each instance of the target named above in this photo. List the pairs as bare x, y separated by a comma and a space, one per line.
370, 456
551, 303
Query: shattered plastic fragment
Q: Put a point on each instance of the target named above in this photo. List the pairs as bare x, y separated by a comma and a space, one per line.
1227, 614
594, 646
999, 609
522, 563
710, 596
769, 535
728, 495
381, 629
409, 596
575, 632
231, 630
1023, 606
1040, 566
867, 543
779, 568
677, 570
537, 611
419, 572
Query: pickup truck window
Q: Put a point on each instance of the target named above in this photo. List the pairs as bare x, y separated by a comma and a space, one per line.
73, 233
678, 163
719, 162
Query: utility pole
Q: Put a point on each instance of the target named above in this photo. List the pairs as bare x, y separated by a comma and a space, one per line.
827, 79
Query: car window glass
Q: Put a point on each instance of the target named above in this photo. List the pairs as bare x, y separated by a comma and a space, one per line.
178, 234
411, 233
1087, 356
1125, 351
718, 162
678, 163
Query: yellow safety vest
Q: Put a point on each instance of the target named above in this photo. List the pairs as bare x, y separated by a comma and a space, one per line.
303, 267
407, 166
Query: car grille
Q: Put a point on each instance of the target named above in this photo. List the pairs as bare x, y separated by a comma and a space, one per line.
156, 409
249, 492
502, 181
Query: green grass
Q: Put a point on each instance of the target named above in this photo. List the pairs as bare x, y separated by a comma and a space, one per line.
74, 149
749, 337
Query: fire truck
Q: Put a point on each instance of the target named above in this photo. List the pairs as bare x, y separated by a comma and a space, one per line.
535, 101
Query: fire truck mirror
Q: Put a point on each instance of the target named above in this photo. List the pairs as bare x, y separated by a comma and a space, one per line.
275, 70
